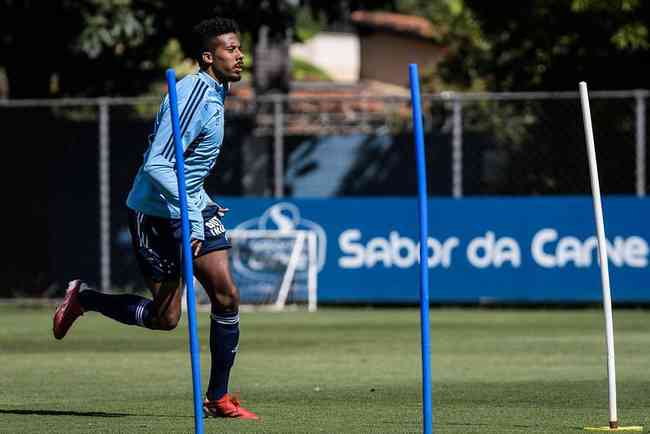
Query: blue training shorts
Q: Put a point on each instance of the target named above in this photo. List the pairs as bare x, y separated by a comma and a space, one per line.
157, 242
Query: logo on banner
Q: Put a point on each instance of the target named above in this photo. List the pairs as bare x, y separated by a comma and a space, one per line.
267, 253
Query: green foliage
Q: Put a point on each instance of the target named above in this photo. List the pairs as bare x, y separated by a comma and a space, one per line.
303, 70
538, 44
172, 54
632, 36
94, 45
632, 33
551, 45
113, 47
308, 24
604, 5
460, 33
113, 25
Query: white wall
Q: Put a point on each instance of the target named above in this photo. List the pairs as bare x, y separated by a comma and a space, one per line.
336, 53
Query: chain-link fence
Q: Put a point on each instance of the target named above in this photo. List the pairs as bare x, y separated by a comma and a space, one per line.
70, 162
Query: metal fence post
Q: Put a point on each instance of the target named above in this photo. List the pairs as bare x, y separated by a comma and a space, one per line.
457, 148
278, 146
640, 96
104, 197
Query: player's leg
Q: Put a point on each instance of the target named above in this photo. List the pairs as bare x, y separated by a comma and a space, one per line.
158, 255
128, 309
161, 313
212, 270
213, 273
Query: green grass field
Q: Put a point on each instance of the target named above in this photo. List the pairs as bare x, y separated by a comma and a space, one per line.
335, 371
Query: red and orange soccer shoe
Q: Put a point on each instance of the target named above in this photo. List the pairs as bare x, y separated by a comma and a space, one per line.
227, 406
68, 311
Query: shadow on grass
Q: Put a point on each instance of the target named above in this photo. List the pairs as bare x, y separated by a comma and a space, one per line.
85, 413
64, 413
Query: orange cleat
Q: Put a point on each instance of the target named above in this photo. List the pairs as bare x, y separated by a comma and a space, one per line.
227, 406
68, 311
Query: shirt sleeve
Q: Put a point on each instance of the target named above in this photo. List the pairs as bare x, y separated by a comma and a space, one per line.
160, 165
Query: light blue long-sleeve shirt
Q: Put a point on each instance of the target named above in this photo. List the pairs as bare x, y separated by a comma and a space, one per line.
201, 113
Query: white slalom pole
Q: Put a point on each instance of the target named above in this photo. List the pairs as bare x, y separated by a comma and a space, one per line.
602, 254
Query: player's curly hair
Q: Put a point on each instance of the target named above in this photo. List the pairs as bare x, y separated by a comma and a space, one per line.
208, 29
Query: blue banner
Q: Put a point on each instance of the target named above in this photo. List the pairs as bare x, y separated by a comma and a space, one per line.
480, 250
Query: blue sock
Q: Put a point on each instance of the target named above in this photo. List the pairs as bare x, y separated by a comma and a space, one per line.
224, 343
129, 309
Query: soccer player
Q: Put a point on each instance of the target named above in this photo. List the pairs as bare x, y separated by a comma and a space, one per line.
154, 219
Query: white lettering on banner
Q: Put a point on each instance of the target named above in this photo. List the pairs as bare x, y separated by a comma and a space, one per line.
632, 251
485, 251
537, 247
347, 245
636, 252
378, 250
406, 245
398, 251
547, 248
441, 252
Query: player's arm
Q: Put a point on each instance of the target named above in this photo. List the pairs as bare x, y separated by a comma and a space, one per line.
160, 162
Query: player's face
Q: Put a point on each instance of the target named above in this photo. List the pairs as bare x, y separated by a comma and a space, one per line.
228, 60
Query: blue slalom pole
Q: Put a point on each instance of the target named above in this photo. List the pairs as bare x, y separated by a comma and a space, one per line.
188, 273
418, 135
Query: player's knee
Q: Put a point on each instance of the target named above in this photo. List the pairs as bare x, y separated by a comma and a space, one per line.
169, 321
227, 300
233, 300
230, 301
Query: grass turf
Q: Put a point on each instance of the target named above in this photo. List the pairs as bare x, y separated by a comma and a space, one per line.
335, 371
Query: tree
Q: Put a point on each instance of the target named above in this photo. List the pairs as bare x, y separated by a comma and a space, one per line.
548, 45
553, 44
100, 47
84, 47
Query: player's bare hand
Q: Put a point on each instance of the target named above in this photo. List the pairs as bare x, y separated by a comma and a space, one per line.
196, 247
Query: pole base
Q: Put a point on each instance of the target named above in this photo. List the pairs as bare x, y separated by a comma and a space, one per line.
636, 428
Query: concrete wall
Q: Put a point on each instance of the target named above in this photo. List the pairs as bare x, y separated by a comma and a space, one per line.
385, 57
